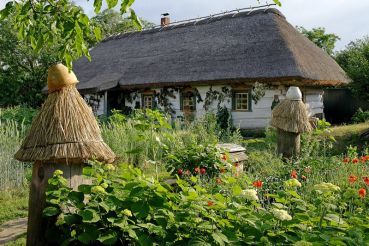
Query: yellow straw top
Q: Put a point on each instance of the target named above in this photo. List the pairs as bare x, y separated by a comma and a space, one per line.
59, 76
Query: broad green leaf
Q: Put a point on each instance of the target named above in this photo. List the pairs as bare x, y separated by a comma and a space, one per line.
97, 32
126, 4
135, 19
236, 190
145, 240
111, 3
97, 6
6, 11
108, 238
277, 2
89, 216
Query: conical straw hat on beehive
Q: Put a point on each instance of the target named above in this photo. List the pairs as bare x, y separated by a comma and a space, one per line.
65, 130
291, 114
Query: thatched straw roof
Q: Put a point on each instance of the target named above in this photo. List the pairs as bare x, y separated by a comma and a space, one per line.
64, 131
245, 47
291, 116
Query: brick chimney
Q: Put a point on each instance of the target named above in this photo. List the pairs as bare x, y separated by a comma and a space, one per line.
165, 20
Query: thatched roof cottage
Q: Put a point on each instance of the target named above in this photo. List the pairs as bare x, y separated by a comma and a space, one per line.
194, 67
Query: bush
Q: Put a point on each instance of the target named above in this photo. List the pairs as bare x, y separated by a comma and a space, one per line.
22, 115
360, 116
123, 207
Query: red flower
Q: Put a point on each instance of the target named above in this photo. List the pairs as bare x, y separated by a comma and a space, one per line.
294, 174
210, 203
366, 180
224, 157
180, 171
236, 164
218, 180
362, 192
203, 170
366, 158
197, 169
346, 160
355, 160
258, 184
352, 179
303, 177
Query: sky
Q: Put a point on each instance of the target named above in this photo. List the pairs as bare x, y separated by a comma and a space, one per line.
349, 19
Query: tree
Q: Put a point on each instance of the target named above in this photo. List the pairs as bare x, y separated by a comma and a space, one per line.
318, 36
354, 59
40, 21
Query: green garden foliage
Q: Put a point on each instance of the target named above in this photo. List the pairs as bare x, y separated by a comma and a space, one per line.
360, 116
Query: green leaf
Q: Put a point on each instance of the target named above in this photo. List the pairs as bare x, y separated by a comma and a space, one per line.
6, 11
97, 6
85, 189
111, 3
220, 238
89, 216
277, 2
136, 20
145, 240
236, 190
50, 211
97, 32
126, 4
76, 197
108, 238
33, 42
71, 219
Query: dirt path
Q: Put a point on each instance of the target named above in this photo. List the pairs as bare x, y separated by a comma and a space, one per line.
11, 230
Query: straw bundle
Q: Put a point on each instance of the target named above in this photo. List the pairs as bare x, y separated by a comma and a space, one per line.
291, 116
65, 131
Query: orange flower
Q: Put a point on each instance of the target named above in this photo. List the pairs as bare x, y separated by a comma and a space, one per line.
218, 180
363, 159
294, 174
362, 192
258, 184
366, 158
352, 179
303, 177
222, 170
355, 160
366, 180
236, 164
224, 157
346, 160
210, 203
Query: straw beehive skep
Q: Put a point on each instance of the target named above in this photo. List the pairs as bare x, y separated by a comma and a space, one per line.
65, 130
291, 116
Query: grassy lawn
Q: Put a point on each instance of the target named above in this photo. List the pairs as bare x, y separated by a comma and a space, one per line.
13, 204
19, 242
347, 135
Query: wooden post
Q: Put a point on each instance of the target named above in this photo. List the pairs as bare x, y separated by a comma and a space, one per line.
288, 143
41, 173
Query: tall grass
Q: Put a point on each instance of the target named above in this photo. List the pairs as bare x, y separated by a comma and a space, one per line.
12, 172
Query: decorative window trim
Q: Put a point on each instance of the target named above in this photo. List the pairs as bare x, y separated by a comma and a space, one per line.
249, 100
182, 99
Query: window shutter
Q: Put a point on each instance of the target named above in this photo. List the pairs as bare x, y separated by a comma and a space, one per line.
249, 99
233, 101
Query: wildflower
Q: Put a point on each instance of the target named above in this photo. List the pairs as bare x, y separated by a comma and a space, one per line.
362, 192
294, 174
365, 179
355, 160
303, 177
281, 214
346, 160
97, 189
197, 169
307, 169
222, 170
109, 167
363, 159
210, 203
224, 157
218, 180
257, 184
203, 170
352, 179
188, 172
180, 172
250, 194
236, 164
327, 187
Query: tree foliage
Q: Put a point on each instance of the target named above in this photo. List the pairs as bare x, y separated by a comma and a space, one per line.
41, 22
355, 61
318, 36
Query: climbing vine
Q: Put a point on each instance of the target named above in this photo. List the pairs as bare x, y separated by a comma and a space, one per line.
163, 99
213, 95
258, 91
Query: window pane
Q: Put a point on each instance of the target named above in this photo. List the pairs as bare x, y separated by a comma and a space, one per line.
147, 102
241, 101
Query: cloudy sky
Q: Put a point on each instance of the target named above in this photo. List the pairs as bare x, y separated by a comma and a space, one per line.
349, 19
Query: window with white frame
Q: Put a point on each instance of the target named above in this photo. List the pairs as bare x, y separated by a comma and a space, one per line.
241, 101
147, 101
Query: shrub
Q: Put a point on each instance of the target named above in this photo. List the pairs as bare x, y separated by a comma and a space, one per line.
22, 115
360, 116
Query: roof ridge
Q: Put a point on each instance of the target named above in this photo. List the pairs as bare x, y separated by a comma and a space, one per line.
200, 21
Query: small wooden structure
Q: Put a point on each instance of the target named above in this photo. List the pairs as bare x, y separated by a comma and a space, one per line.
63, 136
237, 155
290, 117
